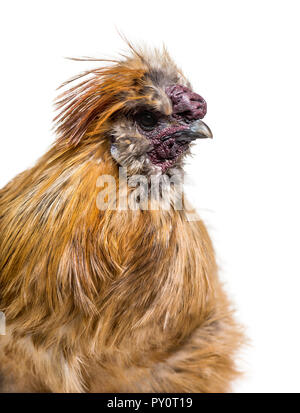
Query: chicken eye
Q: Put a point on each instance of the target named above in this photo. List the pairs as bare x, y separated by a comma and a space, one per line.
147, 120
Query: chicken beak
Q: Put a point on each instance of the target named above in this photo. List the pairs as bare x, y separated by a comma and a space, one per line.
200, 129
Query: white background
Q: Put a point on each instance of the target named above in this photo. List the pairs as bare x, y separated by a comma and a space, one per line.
243, 58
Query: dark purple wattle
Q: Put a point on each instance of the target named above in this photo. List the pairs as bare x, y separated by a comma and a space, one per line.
186, 103
164, 153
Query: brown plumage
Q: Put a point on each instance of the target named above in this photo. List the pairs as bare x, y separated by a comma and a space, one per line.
112, 300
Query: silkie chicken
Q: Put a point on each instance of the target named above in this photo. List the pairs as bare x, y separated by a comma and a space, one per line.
116, 299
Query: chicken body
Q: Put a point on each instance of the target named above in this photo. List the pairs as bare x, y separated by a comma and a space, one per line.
114, 300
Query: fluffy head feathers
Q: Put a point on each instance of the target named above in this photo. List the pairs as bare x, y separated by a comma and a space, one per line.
135, 79
144, 100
